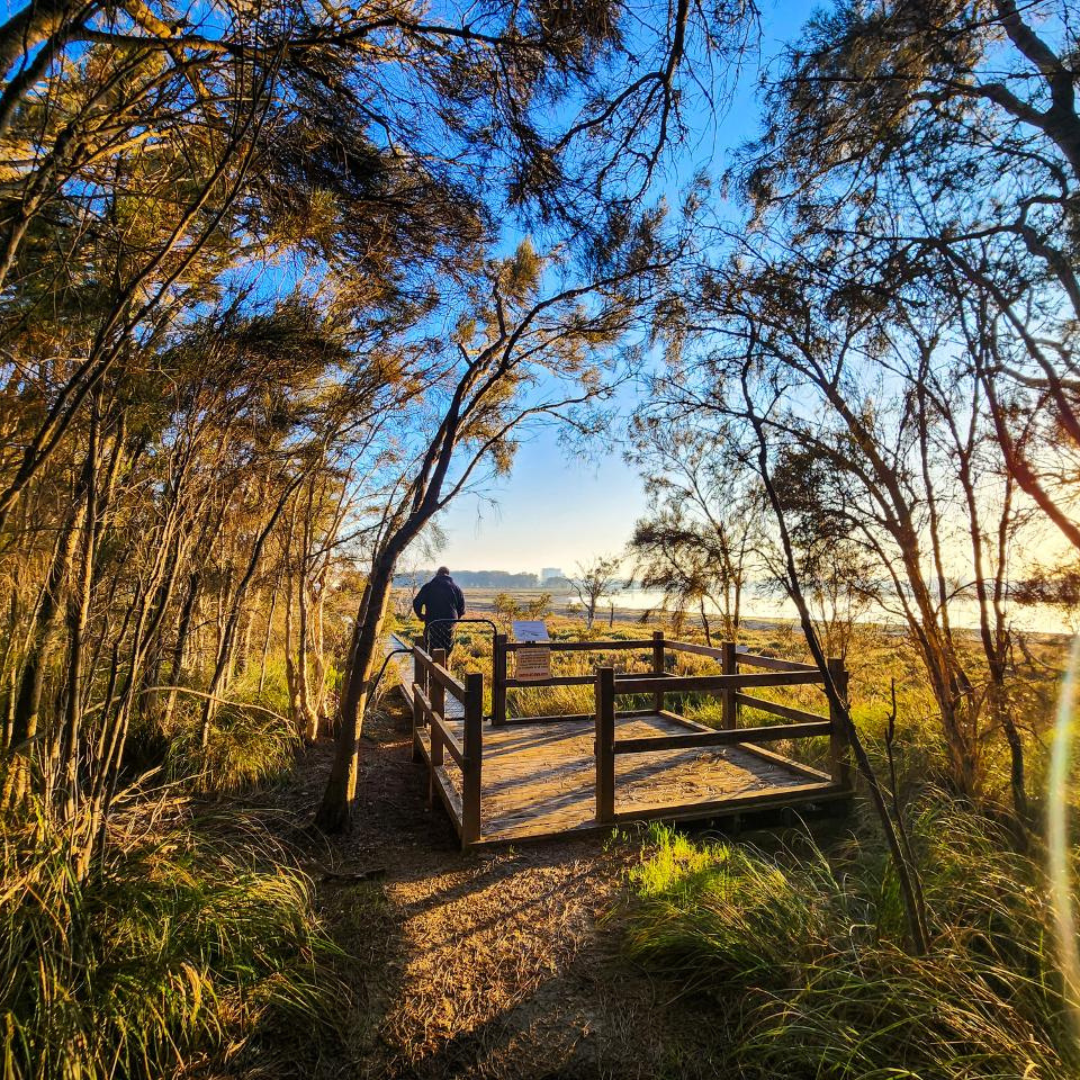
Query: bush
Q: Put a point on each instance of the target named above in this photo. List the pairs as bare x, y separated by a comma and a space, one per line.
807, 974
177, 945
246, 749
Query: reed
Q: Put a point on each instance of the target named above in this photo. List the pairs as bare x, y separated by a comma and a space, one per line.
187, 939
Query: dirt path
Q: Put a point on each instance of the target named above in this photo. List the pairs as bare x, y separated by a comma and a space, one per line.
492, 965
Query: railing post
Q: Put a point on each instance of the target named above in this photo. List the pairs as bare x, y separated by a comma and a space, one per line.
437, 693
605, 745
419, 668
498, 682
658, 666
472, 765
729, 716
839, 758
417, 723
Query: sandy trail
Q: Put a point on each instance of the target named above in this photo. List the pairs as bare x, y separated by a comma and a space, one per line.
489, 965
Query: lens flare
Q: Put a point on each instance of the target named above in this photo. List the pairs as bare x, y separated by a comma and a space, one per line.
1057, 835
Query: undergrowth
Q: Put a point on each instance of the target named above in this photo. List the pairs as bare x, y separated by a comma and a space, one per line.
251, 741
802, 955
188, 941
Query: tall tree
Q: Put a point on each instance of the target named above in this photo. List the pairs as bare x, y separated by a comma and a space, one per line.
519, 353
696, 546
951, 129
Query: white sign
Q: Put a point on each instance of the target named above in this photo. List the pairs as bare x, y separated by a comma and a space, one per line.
532, 664
530, 631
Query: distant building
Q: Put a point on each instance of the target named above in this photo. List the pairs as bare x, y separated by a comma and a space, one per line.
550, 572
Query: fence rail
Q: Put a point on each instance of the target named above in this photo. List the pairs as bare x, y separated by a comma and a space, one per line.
432, 681
728, 687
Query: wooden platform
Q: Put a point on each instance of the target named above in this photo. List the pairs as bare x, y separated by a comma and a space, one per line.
539, 779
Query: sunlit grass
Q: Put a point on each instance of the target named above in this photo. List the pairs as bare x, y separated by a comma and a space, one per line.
802, 954
186, 940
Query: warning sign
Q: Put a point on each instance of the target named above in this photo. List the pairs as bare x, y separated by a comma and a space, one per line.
533, 663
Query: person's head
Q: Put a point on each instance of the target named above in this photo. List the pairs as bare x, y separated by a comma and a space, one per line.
443, 571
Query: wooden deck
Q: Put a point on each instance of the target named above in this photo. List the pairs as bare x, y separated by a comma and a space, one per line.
538, 780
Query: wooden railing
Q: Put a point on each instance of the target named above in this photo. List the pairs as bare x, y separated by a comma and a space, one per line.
502, 681
729, 686
434, 686
432, 682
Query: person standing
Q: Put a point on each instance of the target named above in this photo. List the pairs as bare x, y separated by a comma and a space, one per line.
440, 603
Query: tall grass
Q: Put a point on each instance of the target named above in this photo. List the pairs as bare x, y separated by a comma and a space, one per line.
251, 741
186, 941
801, 955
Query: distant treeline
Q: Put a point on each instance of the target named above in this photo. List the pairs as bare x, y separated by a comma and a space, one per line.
480, 579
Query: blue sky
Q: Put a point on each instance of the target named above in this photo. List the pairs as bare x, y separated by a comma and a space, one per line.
555, 509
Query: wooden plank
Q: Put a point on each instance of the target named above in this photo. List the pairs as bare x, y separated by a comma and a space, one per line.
567, 718
436, 730
774, 663
756, 800
435, 689
778, 759
583, 646
555, 680
578, 717
472, 760
417, 710
697, 650
576, 680
448, 796
667, 714
799, 715
773, 733
439, 674
728, 707
684, 684
839, 751
658, 666
439, 783
448, 741
605, 744
498, 681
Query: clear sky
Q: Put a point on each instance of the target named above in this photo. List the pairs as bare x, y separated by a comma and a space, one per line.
555, 510
551, 511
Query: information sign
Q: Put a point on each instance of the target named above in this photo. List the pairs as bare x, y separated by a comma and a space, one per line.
532, 664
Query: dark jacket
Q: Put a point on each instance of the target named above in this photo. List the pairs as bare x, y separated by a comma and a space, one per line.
440, 598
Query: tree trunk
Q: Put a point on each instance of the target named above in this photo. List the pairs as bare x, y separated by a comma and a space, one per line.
334, 814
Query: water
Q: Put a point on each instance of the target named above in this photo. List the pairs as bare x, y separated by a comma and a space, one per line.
758, 604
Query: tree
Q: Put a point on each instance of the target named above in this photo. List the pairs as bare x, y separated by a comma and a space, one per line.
880, 444
516, 339
595, 580
889, 125
696, 545
231, 242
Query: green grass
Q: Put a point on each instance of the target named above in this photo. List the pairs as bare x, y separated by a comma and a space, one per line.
801, 954
186, 942
252, 743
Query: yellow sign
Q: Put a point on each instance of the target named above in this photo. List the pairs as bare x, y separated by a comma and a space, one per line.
533, 663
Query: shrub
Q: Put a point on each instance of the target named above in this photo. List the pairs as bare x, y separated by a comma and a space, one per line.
805, 967
178, 944
247, 748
